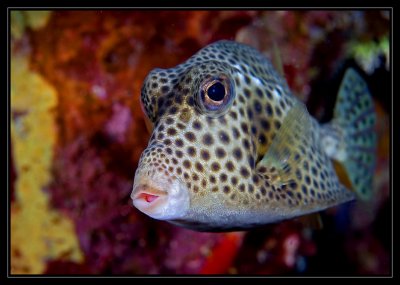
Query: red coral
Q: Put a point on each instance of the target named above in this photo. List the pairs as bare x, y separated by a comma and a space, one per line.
223, 254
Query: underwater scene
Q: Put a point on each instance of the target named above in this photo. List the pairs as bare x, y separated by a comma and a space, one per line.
221, 142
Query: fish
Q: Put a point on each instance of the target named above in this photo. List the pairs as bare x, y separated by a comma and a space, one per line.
231, 147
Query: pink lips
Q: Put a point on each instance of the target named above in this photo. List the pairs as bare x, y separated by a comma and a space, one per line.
160, 199
147, 197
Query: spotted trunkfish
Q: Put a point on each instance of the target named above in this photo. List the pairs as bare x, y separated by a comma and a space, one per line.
232, 148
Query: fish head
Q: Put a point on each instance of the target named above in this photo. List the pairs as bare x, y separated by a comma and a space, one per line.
209, 130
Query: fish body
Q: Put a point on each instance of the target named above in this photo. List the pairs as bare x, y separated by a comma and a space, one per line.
232, 148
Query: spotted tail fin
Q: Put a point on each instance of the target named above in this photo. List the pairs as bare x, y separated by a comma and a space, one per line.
350, 137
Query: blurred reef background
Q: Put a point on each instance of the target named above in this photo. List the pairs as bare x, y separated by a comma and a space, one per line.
77, 132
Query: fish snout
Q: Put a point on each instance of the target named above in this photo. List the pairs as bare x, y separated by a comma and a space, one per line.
166, 203
148, 199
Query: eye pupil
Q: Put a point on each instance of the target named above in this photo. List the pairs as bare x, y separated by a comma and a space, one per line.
215, 95
216, 92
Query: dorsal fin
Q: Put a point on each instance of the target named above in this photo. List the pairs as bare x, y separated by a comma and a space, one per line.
277, 59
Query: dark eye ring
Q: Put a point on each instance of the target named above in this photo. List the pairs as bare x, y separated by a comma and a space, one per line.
216, 93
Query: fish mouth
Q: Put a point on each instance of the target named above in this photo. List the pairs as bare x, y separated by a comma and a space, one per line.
162, 201
148, 199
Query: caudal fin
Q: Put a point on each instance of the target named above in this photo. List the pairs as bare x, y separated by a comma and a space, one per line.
354, 142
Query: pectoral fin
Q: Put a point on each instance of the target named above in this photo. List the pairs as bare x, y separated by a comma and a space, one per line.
283, 153
299, 166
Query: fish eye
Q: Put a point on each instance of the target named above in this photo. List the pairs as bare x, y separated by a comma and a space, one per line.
216, 93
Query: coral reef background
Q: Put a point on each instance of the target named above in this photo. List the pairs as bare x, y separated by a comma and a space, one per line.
77, 132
